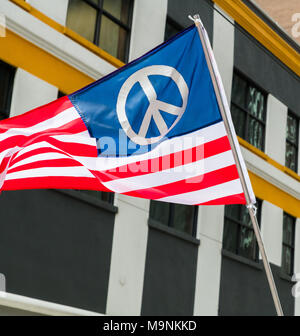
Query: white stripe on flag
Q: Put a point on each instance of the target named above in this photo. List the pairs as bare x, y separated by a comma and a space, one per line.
57, 121
50, 171
171, 175
208, 194
40, 157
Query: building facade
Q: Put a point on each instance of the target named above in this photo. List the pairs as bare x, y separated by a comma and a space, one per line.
287, 17
118, 255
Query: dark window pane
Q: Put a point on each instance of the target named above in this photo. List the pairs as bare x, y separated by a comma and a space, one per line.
6, 84
248, 110
288, 229
230, 236
247, 243
291, 156
245, 217
101, 195
255, 133
3, 116
159, 211
233, 211
239, 236
288, 242
239, 87
287, 260
82, 18
292, 129
239, 120
183, 218
171, 29
118, 8
60, 94
113, 38
256, 103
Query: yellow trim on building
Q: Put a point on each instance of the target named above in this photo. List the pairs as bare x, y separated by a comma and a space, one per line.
68, 32
256, 27
267, 191
21, 53
240, 12
267, 158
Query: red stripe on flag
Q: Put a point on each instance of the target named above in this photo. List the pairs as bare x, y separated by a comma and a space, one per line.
188, 185
71, 148
37, 115
233, 199
63, 162
54, 182
34, 152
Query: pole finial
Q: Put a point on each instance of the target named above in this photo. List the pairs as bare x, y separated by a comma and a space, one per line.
196, 19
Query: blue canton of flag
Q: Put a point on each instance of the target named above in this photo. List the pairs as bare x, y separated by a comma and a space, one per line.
164, 94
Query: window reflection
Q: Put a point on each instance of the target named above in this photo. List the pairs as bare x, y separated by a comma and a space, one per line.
248, 109
7, 73
178, 216
105, 23
239, 237
288, 244
292, 147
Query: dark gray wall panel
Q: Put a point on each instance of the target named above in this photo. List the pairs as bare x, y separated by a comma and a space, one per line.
244, 290
268, 72
55, 247
179, 10
170, 274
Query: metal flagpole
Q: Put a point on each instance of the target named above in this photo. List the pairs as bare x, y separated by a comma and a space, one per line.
251, 207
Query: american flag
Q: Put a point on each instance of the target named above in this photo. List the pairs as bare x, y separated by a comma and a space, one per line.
162, 108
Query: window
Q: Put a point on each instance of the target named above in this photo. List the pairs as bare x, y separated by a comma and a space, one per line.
60, 94
106, 23
178, 216
7, 74
292, 138
288, 244
172, 28
239, 237
102, 195
248, 109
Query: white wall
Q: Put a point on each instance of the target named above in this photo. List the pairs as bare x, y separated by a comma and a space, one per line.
30, 92
128, 256
55, 9
223, 46
271, 229
276, 129
210, 233
297, 265
148, 26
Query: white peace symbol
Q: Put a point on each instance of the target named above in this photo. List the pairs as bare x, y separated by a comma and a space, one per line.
155, 105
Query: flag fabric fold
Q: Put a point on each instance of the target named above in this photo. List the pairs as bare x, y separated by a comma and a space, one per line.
151, 129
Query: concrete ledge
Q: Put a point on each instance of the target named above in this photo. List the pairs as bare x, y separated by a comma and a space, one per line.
25, 304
